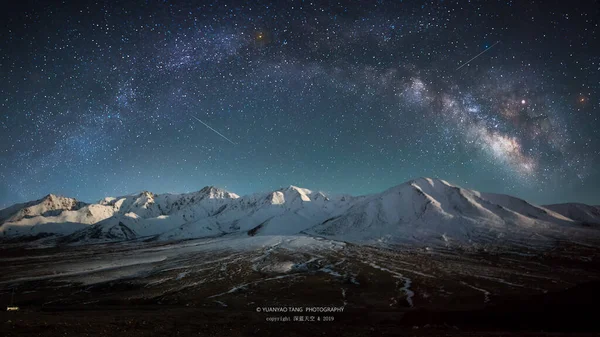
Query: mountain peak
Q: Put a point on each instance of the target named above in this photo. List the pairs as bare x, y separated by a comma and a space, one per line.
320, 196
50, 204
420, 209
214, 192
53, 197
430, 185
429, 181
297, 189
210, 188
144, 193
59, 199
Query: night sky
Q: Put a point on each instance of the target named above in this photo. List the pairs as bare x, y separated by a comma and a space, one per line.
100, 99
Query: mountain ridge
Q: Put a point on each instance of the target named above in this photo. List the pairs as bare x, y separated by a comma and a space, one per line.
419, 210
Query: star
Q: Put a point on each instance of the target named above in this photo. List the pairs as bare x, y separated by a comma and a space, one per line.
343, 96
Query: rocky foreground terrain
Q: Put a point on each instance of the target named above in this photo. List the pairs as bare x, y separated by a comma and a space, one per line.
214, 286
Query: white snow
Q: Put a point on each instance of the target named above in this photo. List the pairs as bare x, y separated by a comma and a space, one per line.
578, 212
423, 211
432, 211
141, 260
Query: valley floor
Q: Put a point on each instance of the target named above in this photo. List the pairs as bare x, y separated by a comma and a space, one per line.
230, 286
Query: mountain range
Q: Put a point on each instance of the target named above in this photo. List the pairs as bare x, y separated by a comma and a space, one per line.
427, 211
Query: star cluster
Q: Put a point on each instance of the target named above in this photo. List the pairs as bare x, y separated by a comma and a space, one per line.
101, 98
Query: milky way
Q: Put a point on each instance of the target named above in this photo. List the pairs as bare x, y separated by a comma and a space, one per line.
99, 98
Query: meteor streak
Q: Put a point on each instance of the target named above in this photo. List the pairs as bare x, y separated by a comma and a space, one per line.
476, 56
217, 132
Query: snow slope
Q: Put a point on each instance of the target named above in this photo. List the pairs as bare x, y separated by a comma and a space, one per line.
51, 214
589, 215
282, 212
47, 206
433, 210
149, 205
429, 211
147, 214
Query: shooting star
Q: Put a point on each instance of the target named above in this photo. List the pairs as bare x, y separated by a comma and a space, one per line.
217, 132
476, 56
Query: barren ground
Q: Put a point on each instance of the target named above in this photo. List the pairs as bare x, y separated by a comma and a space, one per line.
213, 287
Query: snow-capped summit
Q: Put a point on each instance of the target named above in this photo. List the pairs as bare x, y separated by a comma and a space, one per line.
149, 214
289, 196
143, 204
587, 214
213, 192
50, 215
296, 189
287, 210
149, 205
320, 196
51, 204
425, 210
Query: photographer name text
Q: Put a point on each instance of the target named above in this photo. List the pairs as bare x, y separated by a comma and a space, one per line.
300, 309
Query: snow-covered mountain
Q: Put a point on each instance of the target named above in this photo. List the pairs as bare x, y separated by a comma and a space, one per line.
47, 206
434, 210
52, 214
589, 215
146, 214
285, 211
421, 210
149, 205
